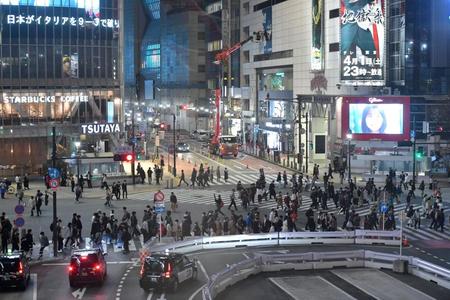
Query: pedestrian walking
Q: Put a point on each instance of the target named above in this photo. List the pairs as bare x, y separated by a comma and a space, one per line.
173, 202
232, 200
43, 240
89, 179
149, 175
218, 173
183, 179
219, 204
225, 174
124, 190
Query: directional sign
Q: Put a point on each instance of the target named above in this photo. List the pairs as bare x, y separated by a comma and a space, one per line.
384, 208
78, 294
159, 196
54, 184
19, 222
54, 173
159, 209
19, 209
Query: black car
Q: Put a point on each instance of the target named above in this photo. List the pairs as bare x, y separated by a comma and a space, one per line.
166, 271
87, 266
14, 271
182, 147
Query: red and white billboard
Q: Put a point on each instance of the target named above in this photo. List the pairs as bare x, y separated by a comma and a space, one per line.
376, 118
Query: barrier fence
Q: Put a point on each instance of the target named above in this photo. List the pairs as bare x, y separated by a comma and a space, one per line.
357, 237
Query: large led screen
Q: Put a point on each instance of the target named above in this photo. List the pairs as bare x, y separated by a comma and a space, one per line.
376, 118
385, 118
91, 6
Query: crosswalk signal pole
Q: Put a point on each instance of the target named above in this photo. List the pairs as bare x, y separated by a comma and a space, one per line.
55, 236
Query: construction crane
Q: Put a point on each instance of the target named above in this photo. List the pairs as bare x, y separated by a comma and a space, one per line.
221, 57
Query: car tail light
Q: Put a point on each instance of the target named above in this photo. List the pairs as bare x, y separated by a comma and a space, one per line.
71, 268
142, 270
20, 268
97, 267
169, 271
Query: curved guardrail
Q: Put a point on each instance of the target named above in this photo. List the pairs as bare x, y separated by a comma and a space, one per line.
357, 237
320, 260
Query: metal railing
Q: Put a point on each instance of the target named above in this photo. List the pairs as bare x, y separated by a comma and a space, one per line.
357, 237
320, 260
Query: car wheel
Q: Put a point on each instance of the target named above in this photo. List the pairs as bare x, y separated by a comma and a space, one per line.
72, 284
174, 286
23, 285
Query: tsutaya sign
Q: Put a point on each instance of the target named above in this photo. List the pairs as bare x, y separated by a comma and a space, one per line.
45, 99
100, 128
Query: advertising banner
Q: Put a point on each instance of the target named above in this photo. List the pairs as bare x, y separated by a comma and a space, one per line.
317, 36
376, 118
267, 26
362, 24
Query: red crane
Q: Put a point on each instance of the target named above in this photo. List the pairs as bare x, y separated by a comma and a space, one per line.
220, 58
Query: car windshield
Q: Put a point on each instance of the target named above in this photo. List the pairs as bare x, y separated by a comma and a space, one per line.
9, 265
228, 140
154, 266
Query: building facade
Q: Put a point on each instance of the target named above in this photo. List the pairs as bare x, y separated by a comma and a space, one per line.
59, 67
321, 55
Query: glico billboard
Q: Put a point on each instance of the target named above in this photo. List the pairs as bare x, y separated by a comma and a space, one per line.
376, 118
362, 42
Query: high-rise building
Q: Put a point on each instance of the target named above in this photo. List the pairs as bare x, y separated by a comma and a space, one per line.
59, 66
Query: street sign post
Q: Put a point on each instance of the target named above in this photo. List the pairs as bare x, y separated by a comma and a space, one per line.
54, 173
19, 221
160, 207
54, 184
19, 209
159, 196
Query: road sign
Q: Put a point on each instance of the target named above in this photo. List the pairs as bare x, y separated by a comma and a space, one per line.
54, 173
412, 134
19, 222
54, 184
384, 208
171, 149
159, 197
160, 208
19, 209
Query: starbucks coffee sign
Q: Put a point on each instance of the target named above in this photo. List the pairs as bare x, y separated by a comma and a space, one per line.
100, 128
45, 99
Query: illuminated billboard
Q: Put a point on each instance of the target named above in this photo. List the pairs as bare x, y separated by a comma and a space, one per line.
317, 36
376, 118
92, 7
379, 118
362, 42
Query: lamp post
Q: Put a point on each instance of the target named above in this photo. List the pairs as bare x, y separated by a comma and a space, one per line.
349, 140
77, 145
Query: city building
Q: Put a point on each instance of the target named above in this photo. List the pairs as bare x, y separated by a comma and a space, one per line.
311, 67
59, 67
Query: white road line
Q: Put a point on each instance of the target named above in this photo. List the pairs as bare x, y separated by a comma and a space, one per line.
293, 296
149, 297
34, 277
246, 255
195, 293
132, 245
337, 288
203, 269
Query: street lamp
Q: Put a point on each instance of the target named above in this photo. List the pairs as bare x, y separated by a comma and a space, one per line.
349, 140
77, 145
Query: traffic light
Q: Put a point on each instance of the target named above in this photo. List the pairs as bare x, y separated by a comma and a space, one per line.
128, 157
419, 153
162, 126
183, 107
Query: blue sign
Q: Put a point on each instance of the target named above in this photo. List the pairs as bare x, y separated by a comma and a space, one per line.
384, 208
54, 173
19, 222
160, 209
412, 134
19, 209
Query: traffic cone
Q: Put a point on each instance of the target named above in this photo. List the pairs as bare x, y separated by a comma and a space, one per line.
405, 242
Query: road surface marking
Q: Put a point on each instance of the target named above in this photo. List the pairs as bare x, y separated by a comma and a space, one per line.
109, 263
34, 277
149, 297
78, 294
203, 269
283, 289
246, 255
195, 293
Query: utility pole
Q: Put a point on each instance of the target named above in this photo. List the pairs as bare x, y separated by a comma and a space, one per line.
300, 128
55, 235
174, 147
414, 163
133, 133
306, 142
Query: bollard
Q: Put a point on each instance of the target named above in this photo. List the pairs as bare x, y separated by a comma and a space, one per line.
284, 162
167, 183
295, 165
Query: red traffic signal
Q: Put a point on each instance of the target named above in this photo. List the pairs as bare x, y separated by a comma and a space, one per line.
162, 126
440, 129
183, 107
128, 157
